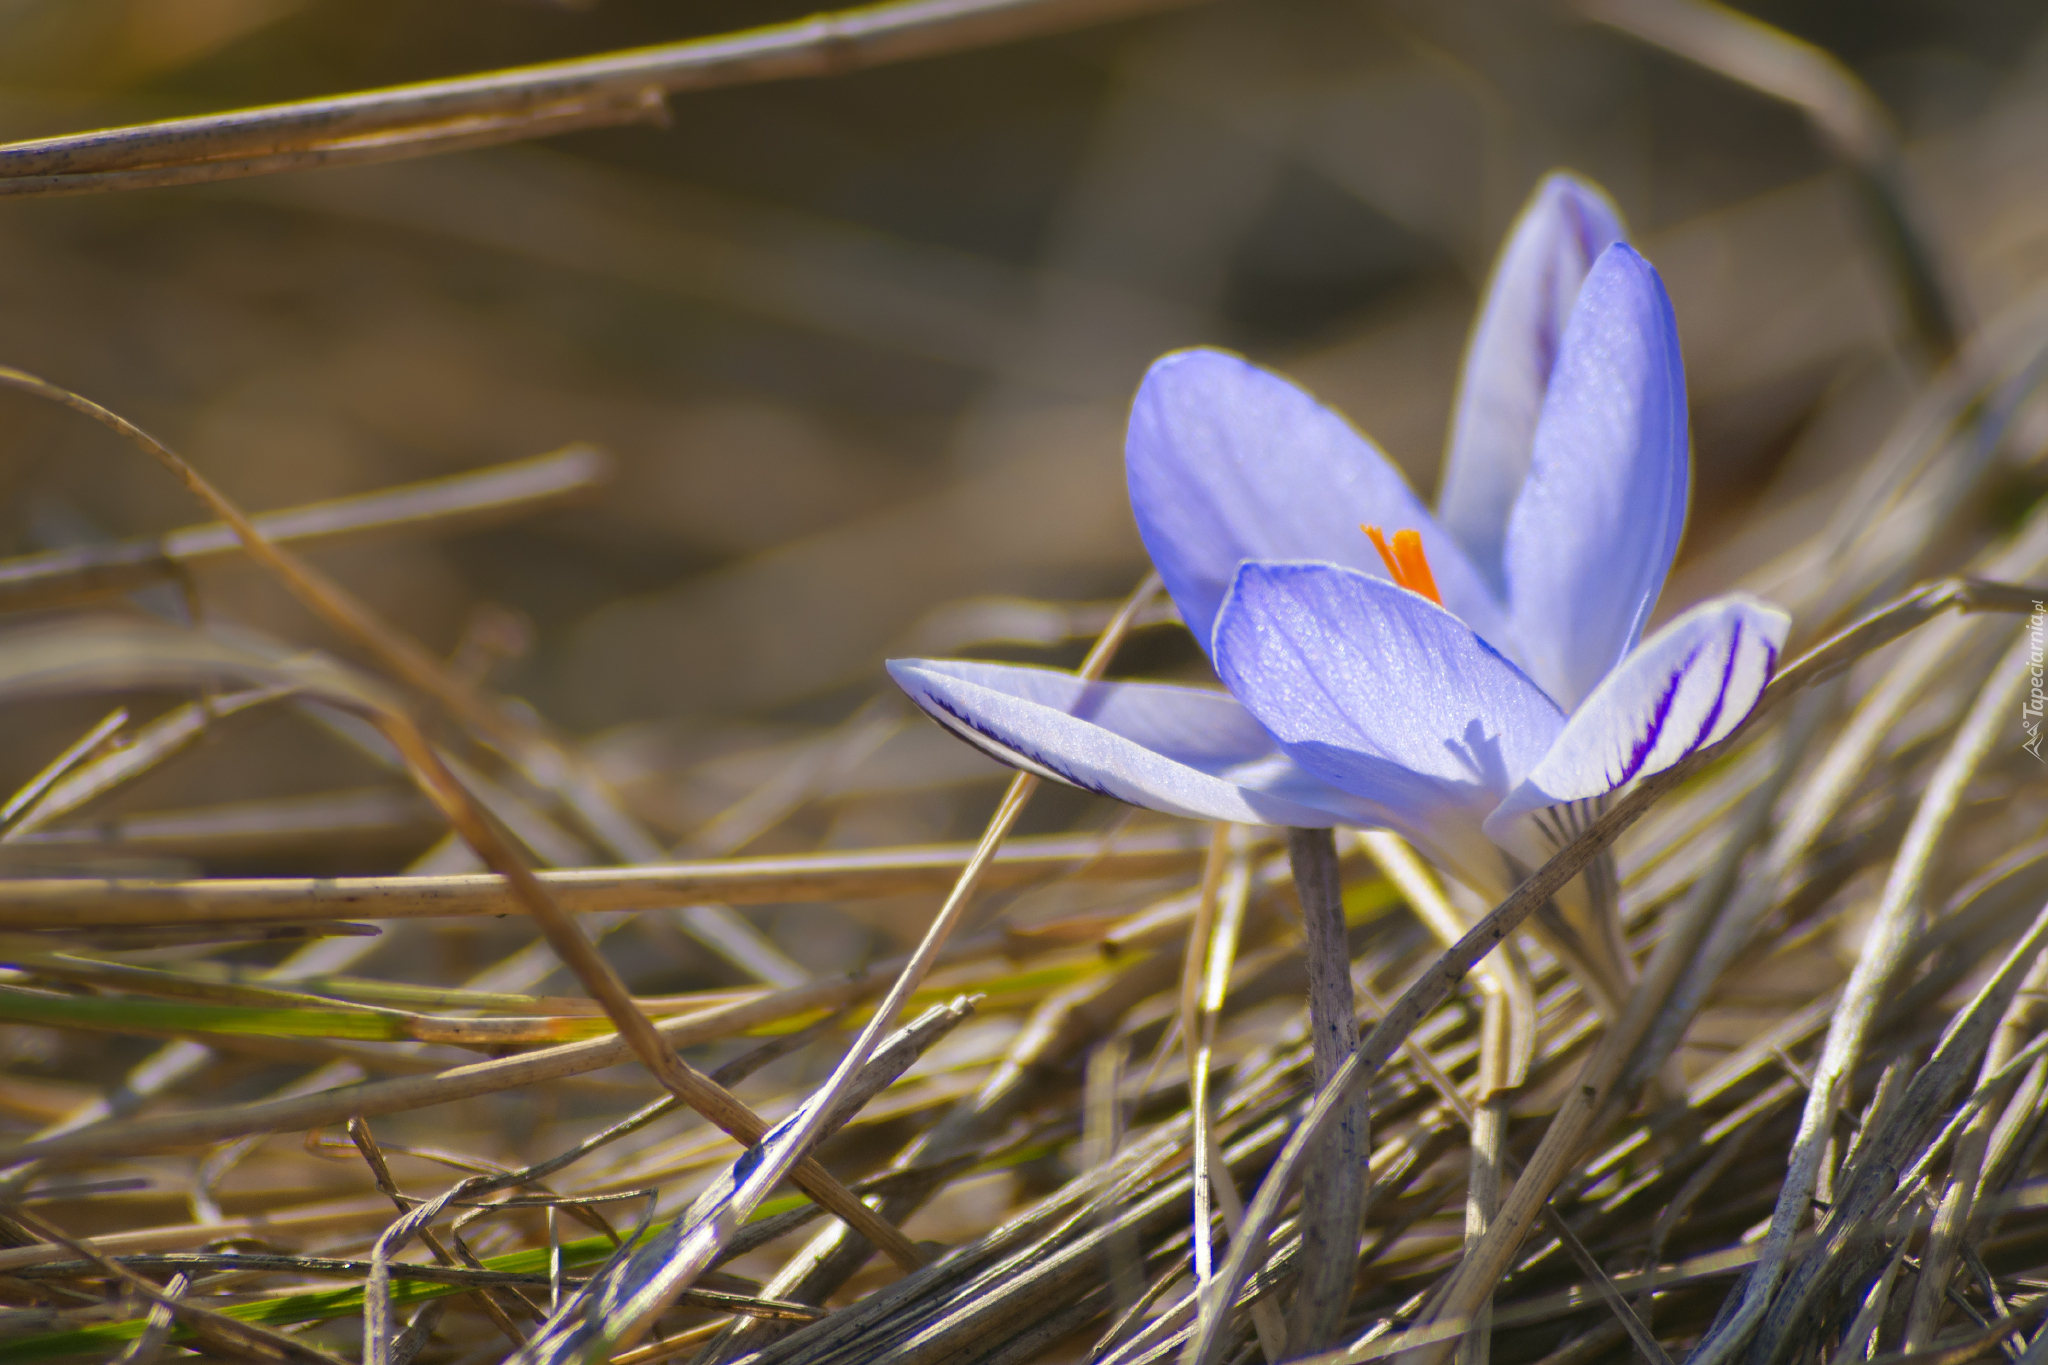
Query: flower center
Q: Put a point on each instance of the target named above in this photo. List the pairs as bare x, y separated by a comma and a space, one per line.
1406, 564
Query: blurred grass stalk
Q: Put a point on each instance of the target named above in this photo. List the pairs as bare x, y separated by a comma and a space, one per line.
1848, 118
515, 105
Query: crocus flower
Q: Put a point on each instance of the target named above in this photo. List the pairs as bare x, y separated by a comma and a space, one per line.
1472, 679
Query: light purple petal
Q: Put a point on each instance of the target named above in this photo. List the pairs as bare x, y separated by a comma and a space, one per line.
1183, 750
1689, 685
1599, 518
1380, 692
1228, 462
1514, 347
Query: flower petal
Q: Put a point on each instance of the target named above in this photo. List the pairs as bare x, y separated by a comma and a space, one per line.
1514, 347
1689, 685
1378, 691
1183, 750
1228, 462
1597, 523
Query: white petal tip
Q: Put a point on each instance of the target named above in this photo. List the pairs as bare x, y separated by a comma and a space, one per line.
1687, 687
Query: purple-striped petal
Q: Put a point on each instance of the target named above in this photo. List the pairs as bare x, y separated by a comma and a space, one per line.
1689, 685
1598, 520
1380, 692
1514, 348
1228, 462
1182, 750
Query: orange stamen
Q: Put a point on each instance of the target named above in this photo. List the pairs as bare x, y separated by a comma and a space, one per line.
1406, 564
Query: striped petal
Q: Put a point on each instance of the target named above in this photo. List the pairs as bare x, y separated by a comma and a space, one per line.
1182, 750
1382, 693
1514, 348
1597, 523
1688, 686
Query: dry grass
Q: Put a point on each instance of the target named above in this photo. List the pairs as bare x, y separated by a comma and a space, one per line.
387, 968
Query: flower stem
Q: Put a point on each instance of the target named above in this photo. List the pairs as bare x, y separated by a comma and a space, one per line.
1335, 1183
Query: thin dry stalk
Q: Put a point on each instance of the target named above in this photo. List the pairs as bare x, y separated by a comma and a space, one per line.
1966, 1168
147, 1347
238, 1339
538, 101
67, 577
1205, 986
370, 1099
521, 738
1883, 954
1843, 111
1219, 871
713, 1224
78, 752
41, 903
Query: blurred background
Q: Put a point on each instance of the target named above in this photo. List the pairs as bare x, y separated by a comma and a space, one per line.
860, 347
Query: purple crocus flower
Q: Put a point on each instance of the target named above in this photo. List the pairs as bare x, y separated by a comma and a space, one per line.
1468, 683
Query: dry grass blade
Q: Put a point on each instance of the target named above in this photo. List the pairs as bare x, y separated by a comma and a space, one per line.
1602, 1087
714, 1221
79, 750
1833, 782
145, 1348
65, 577
319, 593
1489, 1126
577, 952
1507, 1044
320, 1220
1221, 876
1894, 620
1978, 1344
509, 106
1059, 1030
1870, 1179
414, 1221
1870, 983
1856, 1340
256, 828
416, 1335
1845, 113
39, 903
460, 1276
379, 1334
1205, 982
1483, 1113
1504, 976
370, 1099
640, 1285
181, 656
148, 746
1945, 1241
521, 737
238, 1339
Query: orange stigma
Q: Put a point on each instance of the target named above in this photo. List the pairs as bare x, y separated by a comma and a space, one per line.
1406, 564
